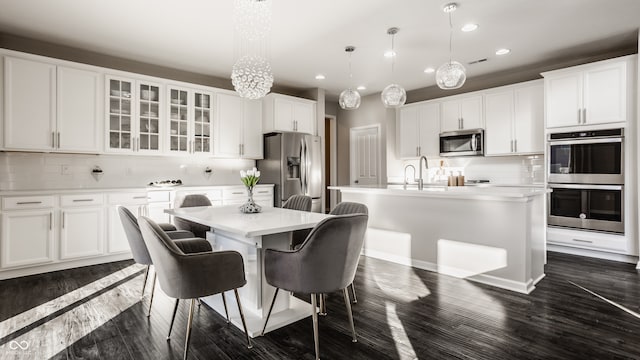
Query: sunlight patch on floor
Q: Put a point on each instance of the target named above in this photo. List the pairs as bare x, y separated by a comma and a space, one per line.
462, 260
403, 343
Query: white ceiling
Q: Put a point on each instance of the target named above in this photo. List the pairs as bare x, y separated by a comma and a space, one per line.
309, 37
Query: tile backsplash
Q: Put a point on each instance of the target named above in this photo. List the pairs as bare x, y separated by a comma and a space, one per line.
41, 171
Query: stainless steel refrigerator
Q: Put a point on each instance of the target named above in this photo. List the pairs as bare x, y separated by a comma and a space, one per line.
293, 162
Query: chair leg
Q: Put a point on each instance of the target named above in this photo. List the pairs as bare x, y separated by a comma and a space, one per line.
353, 290
224, 302
199, 302
244, 324
153, 290
323, 304
347, 303
144, 283
189, 323
269, 313
316, 341
173, 319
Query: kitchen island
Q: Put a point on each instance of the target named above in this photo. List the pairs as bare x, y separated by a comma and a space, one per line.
493, 235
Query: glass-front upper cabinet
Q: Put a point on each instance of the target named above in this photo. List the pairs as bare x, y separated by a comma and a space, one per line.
134, 116
189, 121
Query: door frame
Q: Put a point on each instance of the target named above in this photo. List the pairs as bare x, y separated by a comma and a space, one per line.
352, 169
333, 156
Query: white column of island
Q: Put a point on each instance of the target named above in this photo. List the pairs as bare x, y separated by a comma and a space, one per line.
492, 235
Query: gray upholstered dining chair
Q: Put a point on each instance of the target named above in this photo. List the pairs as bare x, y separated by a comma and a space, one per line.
183, 239
301, 203
191, 200
325, 262
192, 276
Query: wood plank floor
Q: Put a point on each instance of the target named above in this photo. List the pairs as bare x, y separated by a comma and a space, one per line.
402, 313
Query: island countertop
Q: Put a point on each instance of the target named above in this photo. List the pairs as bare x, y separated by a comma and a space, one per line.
504, 193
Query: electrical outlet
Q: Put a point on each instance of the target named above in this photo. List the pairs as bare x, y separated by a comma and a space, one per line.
128, 171
65, 170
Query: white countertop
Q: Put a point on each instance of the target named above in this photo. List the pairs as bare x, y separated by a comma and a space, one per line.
453, 192
270, 221
120, 189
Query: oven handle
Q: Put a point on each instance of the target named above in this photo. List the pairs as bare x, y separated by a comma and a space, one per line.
586, 141
579, 186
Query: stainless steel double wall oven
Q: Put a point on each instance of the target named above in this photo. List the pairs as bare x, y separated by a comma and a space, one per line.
586, 174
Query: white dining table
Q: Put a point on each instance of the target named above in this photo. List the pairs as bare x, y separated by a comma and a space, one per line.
250, 235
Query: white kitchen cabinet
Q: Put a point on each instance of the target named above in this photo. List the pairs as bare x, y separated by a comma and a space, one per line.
238, 127
596, 93
82, 232
461, 113
190, 114
237, 195
136, 202
27, 231
287, 113
51, 108
158, 202
514, 120
418, 130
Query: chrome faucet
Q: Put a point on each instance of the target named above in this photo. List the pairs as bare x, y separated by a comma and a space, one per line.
426, 165
405, 174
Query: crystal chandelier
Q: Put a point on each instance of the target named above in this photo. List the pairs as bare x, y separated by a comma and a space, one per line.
349, 99
451, 75
393, 95
251, 75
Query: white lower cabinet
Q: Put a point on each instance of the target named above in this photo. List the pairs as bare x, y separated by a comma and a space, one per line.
136, 202
262, 195
27, 237
82, 231
158, 202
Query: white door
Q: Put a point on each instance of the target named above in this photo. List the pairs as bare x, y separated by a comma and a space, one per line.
365, 155
408, 140
228, 126
29, 104
252, 130
81, 232
303, 115
605, 94
283, 115
528, 121
117, 237
155, 211
499, 114
471, 112
450, 116
429, 128
27, 237
563, 100
79, 110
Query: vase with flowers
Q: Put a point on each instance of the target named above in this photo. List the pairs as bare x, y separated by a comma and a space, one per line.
250, 178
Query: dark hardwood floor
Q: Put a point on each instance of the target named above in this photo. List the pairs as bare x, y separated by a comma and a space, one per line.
402, 313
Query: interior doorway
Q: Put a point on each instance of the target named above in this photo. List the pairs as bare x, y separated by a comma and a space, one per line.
330, 161
364, 155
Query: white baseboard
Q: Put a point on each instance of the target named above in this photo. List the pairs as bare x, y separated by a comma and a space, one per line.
516, 286
45, 268
595, 254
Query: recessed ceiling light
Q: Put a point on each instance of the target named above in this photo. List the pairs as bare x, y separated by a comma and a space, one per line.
469, 27
320, 77
361, 87
502, 51
429, 70
389, 53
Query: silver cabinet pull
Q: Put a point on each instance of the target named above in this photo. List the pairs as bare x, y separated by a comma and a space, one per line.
584, 117
53, 139
237, 193
28, 202
583, 241
50, 221
82, 200
58, 139
140, 197
511, 145
515, 145
461, 123
579, 116
63, 219
263, 192
239, 149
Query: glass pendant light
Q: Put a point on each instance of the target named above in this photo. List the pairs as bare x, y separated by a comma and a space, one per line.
393, 95
349, 99
451, 75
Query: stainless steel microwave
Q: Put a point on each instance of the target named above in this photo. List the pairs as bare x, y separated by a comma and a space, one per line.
462, 143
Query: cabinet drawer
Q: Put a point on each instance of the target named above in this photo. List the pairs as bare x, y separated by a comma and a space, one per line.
159, 196
263, 191
213, 195
81, 200
132, 198
235, 193
588, 240
27, 202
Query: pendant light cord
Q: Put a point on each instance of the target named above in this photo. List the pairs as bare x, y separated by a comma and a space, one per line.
393, 57
450, 36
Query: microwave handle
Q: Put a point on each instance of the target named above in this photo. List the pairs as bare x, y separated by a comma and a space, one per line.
585, 187
474, 145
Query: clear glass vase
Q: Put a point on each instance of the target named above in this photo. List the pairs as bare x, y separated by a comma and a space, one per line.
250, 207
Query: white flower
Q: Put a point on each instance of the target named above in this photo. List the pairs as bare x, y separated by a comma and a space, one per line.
243, 173
257, 173
254, 169
250, 172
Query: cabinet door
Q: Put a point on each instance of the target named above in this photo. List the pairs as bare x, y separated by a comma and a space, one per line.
117, 237
179, 114
149, 126
202, 129
528, 119
429, 127
408, 134
499, 117
605, 94
120, 109
563, 99
303, 117
228, 125
27, 237
252, 130
29, 104
283, 115
81, 232
450, 120
155, 211
79, 126
471, 112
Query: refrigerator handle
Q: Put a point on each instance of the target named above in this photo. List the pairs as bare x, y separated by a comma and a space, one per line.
303, 166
